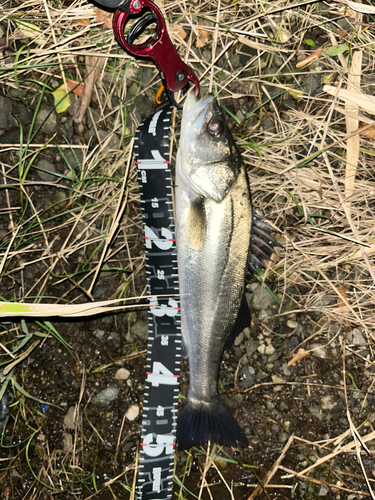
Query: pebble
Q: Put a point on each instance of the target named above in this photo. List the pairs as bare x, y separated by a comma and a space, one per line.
140, 330
47, 117
328, 402
110, 139
318, 350
99, 333
132, 412
245, 377
261, 348
106, 396
122, 374
356, 337
69, 418
292, 324
269, 349
261, 299
67, 442
5, 111
251, 346
50, 167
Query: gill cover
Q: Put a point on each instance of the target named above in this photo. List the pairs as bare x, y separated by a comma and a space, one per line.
208, 159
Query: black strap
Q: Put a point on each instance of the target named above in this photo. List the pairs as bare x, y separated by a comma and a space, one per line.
164, 341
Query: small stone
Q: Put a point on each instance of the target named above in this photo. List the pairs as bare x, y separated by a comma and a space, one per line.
69, 418
238, 339
48, 118
99, 333
357, 337
277, 380
122, 374
318, 350
292, 324
251, 346
134, 89
67, 442
110, 139
49, 167
261, 299
60, 201
327, 402
106, 396
5, 111
140, 329
131, 317
324, 490
269, 350
261, 348
132, 412
245, 378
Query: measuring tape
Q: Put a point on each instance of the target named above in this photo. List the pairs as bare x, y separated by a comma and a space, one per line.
164, 334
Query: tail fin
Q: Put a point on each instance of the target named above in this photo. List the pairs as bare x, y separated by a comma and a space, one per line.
200, 423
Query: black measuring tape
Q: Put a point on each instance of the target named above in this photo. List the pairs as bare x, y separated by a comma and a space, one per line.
164, 335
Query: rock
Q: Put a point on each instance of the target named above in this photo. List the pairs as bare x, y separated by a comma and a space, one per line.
67, 442
99, 333
132, 412
106, 396
318, 350
47, 119
238, 340
245, 378
109, 140
268, 125
324, 490
262, 299
269, 350
293, 342
292, 324
5, 111
356, 337
277, 380
60, 201
327, 402
50, 167
251, 346
10, 137
261, 348
140, 330
122, 374
131, 317
69, 418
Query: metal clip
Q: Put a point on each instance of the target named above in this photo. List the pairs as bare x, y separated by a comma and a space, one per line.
158, 47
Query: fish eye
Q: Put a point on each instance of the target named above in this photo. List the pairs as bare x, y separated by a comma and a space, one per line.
215, 128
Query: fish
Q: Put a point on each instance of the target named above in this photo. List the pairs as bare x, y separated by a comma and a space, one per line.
219, 241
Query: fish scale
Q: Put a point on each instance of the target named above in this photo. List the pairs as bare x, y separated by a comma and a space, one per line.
159, 418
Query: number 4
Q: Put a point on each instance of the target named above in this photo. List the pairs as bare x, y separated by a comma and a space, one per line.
161, 375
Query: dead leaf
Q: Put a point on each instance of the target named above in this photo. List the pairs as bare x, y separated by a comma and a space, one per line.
75, 87
81, 22
203, 35
364, 101
369, 133
310, 58
104, 17
94, 67
177, 32
300, 354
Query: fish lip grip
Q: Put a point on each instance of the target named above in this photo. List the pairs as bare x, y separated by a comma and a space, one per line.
174, 72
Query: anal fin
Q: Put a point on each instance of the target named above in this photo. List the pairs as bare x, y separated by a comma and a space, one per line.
242, 321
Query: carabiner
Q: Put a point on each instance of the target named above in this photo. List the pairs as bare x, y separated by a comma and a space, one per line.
173, 71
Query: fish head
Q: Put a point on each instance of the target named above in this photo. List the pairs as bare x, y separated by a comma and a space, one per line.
208, 158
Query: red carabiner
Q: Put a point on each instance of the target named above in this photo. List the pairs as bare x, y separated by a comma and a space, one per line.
174, 72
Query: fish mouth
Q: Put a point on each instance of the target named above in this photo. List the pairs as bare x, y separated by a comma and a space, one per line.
194, 110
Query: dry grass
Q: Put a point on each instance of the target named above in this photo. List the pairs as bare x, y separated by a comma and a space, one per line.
310, 168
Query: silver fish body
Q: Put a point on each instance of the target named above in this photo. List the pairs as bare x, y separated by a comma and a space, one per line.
213, 230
